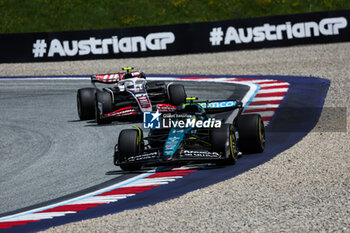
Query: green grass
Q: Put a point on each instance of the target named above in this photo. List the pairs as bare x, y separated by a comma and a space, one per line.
18, 16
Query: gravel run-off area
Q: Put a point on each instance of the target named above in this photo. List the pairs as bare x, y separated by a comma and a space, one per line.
304, 189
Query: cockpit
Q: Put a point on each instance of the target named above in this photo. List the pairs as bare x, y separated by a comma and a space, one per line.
132, 84
192, 109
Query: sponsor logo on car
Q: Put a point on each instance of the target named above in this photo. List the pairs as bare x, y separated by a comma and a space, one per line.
152, 155
143, 100
200, 154
217, 104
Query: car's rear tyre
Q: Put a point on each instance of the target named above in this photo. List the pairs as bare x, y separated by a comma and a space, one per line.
86, 103
223, 141
103, 105
251, 131
177, 94
130, 143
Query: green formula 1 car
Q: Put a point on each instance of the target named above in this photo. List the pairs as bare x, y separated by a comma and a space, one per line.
196, 132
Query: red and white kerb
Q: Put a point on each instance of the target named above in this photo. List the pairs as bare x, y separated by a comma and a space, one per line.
125, 189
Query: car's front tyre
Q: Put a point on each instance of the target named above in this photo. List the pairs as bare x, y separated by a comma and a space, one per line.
224, 142
130, 144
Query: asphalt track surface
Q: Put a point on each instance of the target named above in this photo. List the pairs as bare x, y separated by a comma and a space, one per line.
43, 144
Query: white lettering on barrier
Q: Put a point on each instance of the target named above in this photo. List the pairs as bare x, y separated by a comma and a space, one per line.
326, 27
153, 41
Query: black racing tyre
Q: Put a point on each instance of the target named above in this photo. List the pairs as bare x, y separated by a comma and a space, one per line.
86, 103
103, 103
251, 131
223, 141
130, 143
177, 94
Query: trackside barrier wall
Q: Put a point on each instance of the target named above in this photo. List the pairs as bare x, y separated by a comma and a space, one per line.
229, 35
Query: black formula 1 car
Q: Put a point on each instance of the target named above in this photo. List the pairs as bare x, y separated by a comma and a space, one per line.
129, 96
184, 139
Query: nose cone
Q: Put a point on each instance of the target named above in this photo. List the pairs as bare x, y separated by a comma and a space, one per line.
173, 141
